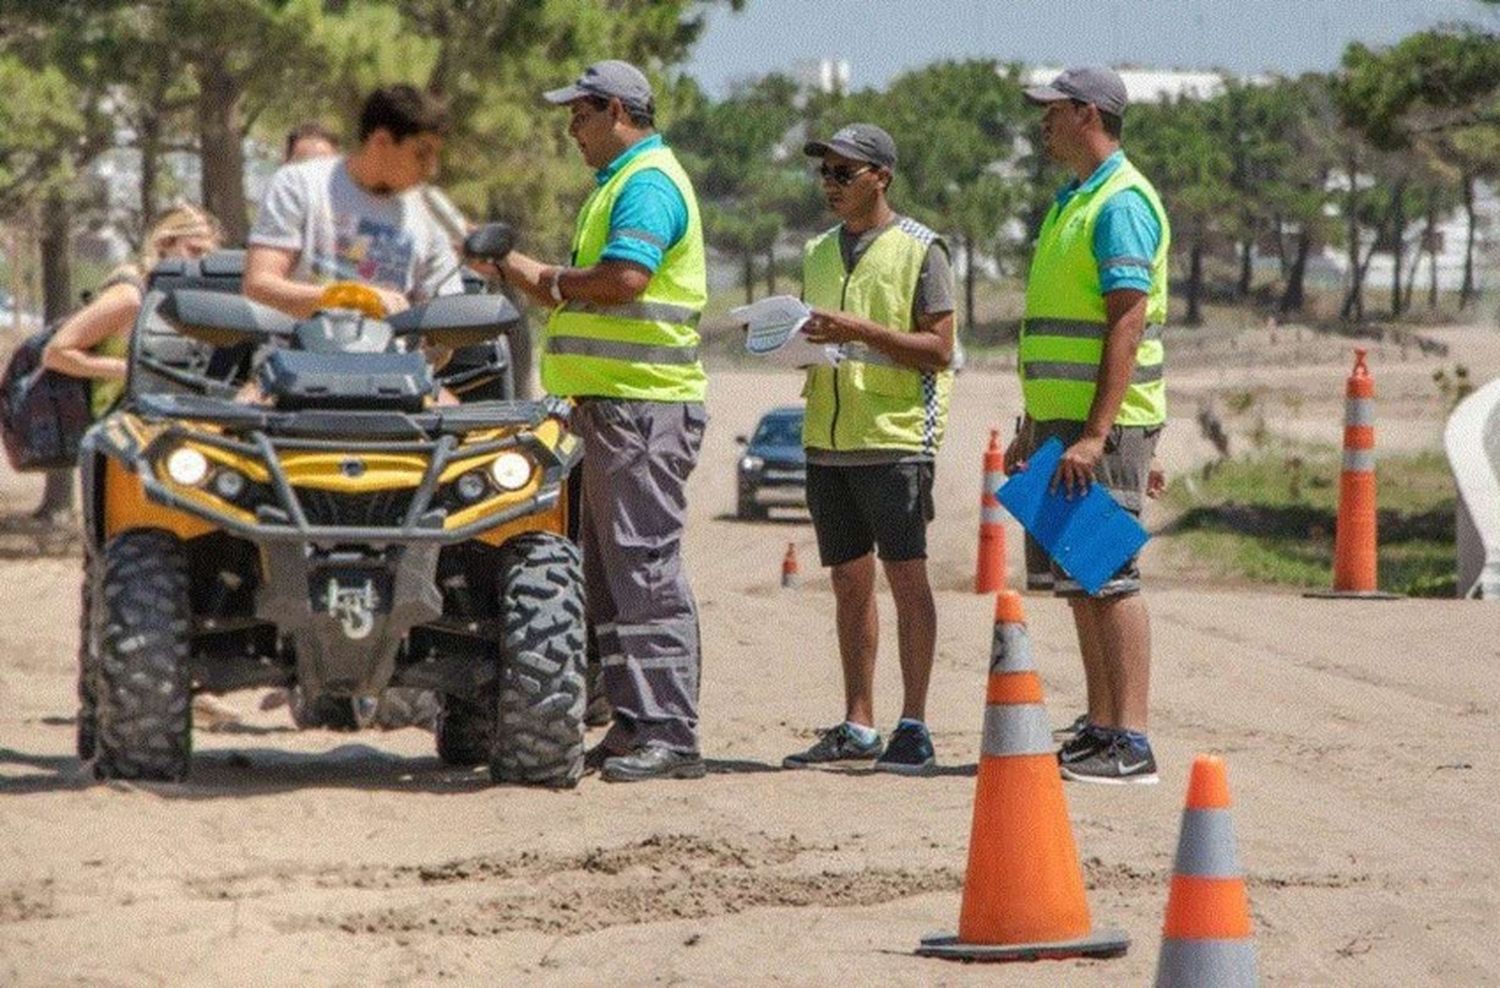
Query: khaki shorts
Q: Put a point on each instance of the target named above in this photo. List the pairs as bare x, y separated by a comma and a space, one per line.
1123, 470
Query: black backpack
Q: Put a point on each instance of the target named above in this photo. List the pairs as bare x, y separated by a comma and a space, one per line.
43, 414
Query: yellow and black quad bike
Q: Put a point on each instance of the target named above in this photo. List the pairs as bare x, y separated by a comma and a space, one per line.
323, 522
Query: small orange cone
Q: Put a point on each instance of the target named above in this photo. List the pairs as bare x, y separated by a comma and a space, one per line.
1355, 538
1023, 892
789, 573
989, 574
1206, 938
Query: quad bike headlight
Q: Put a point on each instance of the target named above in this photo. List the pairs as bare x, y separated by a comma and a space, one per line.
187, 466
510, 471
471, 487
229, 484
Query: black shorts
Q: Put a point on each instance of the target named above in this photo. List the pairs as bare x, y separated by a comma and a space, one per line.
1122, 471
857, 509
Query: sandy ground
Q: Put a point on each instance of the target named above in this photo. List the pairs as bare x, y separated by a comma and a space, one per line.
1354, 734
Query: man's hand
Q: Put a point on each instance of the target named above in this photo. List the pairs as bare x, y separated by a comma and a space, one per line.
832, 327
1156, 479
392, 300
1015, 456
1075, 471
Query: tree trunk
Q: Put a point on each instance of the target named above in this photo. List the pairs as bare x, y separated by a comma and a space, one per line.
57, 259
221, 151
1195, 285
1432, 253
57, 301
1247, 272
150, 168
1354, 302
1398, 244
749, 258
1283, 265
1466, 293
969, 276
1293, 298
771, 268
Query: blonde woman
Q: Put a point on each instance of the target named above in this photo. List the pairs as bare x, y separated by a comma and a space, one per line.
94, 342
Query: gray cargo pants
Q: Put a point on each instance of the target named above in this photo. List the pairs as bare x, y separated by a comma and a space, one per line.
636, 462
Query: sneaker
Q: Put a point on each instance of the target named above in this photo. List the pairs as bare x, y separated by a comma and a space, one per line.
1072, 730
909, 753
1119, 761
1088, 739
836, 744
652, 761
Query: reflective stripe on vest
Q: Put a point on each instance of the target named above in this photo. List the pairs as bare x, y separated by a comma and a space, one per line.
646, 349
1062, 335
869, 401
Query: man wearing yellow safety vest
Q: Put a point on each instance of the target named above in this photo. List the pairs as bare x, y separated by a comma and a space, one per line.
622, 341
880, 285
1091, 375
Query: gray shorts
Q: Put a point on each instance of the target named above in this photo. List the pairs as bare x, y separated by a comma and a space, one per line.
1128, 451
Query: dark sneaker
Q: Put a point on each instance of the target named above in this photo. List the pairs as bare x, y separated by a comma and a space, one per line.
1083, 744
652, 761
1119, 761
1072, 730
836, 744
909, 753
595, 757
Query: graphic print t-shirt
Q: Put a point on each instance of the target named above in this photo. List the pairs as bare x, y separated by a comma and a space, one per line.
343, 233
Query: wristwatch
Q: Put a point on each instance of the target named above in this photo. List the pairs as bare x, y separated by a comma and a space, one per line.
554, 287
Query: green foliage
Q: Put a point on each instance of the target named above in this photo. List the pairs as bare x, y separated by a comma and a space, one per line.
1271, 518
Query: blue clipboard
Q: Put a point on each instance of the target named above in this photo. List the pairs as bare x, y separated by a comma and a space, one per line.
1089, 535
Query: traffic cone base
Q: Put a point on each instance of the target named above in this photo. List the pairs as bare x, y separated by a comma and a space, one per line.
1221, 963
1099, 943
1023, 895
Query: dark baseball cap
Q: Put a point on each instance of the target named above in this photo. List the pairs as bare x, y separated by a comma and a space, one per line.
612, 78
1096, 84
859, 141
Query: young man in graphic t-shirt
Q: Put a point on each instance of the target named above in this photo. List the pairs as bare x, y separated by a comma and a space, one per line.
360, 217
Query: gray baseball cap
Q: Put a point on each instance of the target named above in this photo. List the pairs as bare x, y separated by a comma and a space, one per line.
859, 141
1096, 84
612, 78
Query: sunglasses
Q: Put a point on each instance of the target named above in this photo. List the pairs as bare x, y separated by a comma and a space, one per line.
841, 175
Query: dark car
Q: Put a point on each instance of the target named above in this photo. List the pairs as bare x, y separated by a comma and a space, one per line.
773, 469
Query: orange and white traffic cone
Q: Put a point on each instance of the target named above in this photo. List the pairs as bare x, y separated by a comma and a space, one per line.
790, 576
1355, 538
989, 574
1206, 939
1023, 893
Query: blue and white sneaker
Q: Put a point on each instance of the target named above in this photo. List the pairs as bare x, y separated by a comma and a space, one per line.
910, 751
836, 744
1120, 760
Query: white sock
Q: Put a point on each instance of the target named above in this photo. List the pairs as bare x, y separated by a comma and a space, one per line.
862, 734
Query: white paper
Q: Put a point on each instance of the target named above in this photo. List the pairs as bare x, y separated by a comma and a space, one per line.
774, 332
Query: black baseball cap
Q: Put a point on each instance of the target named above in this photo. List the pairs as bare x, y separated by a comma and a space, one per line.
609, 79
858, 141
1096, 84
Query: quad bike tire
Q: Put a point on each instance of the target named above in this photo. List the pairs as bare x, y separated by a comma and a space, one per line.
88, 668
597, 710
539, 704
144, 694
747, 510
466, 729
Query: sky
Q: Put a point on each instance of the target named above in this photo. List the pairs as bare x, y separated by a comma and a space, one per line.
881, 38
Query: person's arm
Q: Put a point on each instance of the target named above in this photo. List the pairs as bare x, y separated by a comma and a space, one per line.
604, 283
646, 220
268, 279
111, 314
1126, 310
928, 348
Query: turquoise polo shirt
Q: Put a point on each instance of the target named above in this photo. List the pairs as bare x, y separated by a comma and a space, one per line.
648, 217
1127, 232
